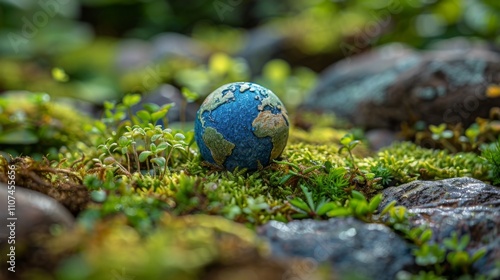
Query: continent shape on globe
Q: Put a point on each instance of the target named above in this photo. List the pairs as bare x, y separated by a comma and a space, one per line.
241, 125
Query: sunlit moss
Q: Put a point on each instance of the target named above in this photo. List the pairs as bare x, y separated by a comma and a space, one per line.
31, 124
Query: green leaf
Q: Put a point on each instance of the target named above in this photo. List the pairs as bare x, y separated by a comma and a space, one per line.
151, 107
179, 136
152, 147
300, 204
426, 235
339, 212
160, 161
162, 146
130, 100
158, 115
189, 95
437, 129
400, 212
311, 168
458, 259
59, 75
374, 202
100, 126
353, 144
309, 197
109, 105
144, 155
478, 255
346, 139
328, 166
300, 216
464, 241
361, 210
285, 178
325, 207
155, 137
123, 141
388, 207
451, 242
144, 115
358, 196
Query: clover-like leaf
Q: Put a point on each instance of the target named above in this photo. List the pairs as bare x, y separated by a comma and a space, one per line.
160, 161
130, 100
144, 155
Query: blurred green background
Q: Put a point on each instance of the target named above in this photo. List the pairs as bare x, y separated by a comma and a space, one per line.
97, 50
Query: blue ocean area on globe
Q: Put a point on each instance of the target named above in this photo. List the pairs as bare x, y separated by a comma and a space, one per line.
241, 125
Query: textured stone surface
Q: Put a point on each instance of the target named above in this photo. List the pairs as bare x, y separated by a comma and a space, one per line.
241, 125
363, 78
353, 248
393, 84
461, 205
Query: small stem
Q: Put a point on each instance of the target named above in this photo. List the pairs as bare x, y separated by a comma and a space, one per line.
137, 159
128, 162
166, 162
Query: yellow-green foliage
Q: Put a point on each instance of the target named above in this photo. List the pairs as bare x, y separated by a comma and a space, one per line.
30, 124
178, 248
153, 200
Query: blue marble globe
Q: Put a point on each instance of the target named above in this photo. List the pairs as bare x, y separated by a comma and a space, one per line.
241, 125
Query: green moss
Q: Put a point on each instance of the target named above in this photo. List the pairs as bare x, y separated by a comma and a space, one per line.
151, 193
408, 162
31, 125
177, 248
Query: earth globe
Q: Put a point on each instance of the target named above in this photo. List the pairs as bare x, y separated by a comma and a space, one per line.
241, 125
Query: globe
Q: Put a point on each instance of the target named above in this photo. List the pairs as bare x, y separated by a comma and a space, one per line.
241, 125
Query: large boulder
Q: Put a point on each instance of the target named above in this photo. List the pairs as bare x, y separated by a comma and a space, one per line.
458, 205
394, 84
352, 248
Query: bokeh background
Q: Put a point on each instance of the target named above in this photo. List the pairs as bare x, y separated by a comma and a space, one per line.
90, 51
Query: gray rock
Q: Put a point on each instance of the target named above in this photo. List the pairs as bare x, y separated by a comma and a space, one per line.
353, 248
262, 44
380, 138
133, 54
171, 44
394, 84
363, 78
461, 205
35, 212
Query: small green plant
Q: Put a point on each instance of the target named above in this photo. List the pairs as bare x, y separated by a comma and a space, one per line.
128, 147
333, 184
492, 154
348, 143
450, 258
296, 173
357, 206
442, 135
310, 207
460, 260
383, 173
